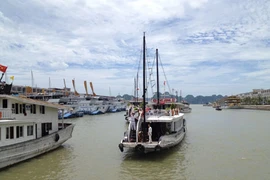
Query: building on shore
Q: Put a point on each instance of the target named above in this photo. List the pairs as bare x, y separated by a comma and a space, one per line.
255, 93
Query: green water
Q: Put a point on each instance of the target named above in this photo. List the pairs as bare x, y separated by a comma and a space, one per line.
219, 145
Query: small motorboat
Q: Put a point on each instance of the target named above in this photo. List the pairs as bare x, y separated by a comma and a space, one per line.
218, 108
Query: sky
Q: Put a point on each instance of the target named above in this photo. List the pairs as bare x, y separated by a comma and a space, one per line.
205, 47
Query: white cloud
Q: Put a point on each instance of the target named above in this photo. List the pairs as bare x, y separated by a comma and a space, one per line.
102, 40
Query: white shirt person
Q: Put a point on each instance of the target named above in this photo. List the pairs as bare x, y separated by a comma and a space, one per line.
150, 133
132, 121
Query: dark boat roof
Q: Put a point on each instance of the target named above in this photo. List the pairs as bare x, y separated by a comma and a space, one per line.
5, 88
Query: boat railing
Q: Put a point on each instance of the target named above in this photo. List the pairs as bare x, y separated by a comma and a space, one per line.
5, 113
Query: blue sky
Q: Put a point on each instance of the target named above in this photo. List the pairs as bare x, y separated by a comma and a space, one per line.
206, 46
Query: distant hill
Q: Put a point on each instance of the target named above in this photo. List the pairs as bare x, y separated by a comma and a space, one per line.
202, 99
189, 98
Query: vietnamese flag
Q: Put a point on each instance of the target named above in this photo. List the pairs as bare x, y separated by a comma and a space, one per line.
3, 68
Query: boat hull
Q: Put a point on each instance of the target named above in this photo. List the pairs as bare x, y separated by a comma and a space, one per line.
12, 154
166, 142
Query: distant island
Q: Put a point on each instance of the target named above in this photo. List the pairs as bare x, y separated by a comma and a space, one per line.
189, 98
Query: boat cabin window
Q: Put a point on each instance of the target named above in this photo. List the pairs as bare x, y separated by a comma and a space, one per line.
24, 108
10, 132
21, 109
42, 109
33, 109
15, 108
19, 131
45, 127
30, 130
5, 103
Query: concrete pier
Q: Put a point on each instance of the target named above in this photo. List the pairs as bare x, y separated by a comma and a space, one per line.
257, 107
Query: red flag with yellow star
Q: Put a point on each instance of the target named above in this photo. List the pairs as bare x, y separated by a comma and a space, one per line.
3, 68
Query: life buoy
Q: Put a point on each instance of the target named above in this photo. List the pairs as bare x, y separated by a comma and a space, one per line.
56, 137
140, 148
157, 148
121, 147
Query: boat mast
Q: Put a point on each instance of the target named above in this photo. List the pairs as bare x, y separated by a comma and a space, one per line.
157, 79
134, 92
32, 79
65, 87
137, 87
2, 77
144, 89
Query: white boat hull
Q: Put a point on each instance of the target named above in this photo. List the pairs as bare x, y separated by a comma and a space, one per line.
16, 153
166, 142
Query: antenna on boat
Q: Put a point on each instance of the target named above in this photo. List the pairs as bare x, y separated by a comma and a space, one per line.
180, 95
137, 87
49, 82
32, 79
65, 87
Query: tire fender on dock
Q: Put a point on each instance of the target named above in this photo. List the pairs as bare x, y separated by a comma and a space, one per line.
56, 137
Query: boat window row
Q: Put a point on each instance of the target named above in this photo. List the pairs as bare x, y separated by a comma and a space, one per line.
22, 108
10, 131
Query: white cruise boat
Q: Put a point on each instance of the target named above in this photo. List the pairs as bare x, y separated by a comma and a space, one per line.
157, 129
28, 128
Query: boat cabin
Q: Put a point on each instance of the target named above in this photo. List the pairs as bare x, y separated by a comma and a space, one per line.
23, 119
165, 125
162, 124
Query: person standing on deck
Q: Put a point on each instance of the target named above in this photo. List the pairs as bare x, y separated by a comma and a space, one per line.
132, 121
150, 133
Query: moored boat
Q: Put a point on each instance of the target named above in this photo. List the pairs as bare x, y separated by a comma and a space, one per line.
186, 108
29, 128
218, 108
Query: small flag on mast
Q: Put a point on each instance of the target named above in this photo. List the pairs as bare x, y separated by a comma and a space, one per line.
3, 68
